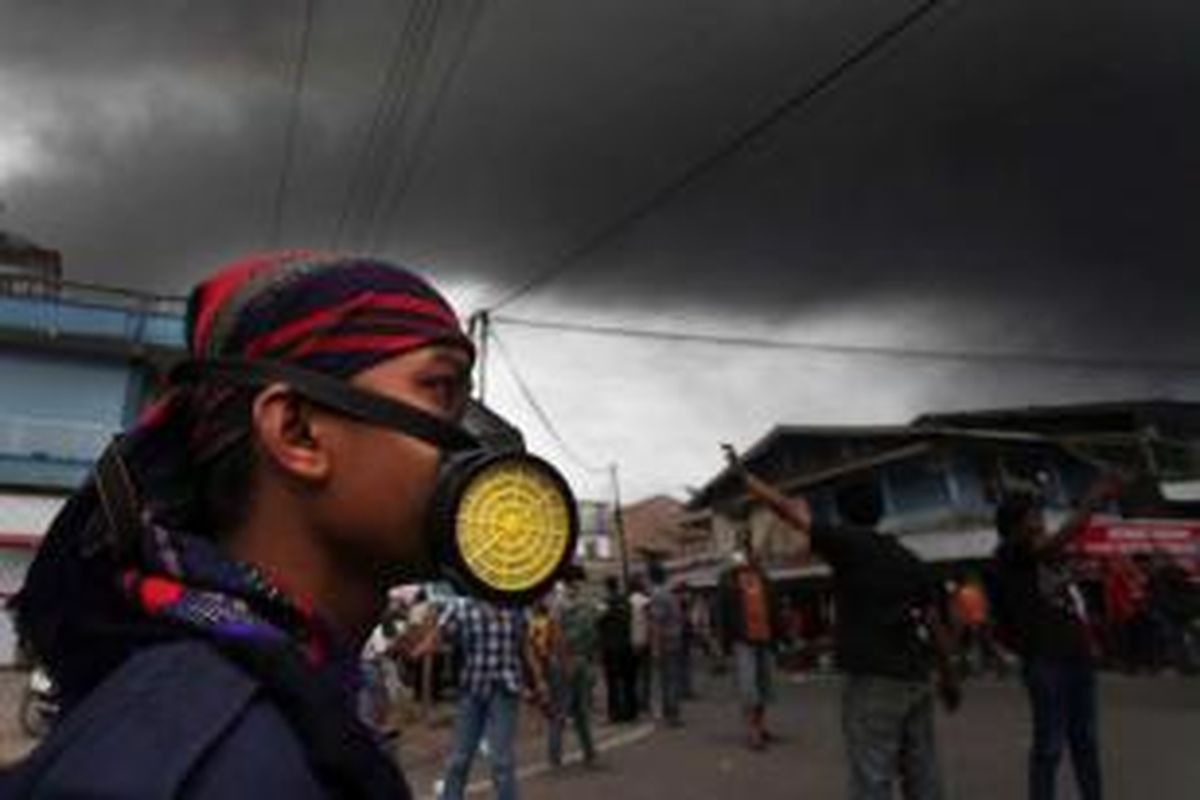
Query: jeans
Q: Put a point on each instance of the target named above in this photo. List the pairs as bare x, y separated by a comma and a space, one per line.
643, 667
687, 689
620, 682
374, 701
1063, 696
669, 666
569, 693
496, 716
888, 725
753, 663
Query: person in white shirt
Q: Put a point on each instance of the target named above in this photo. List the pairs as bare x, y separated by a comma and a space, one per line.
639, 637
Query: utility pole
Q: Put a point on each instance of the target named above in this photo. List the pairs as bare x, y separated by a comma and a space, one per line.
477, 329
619, 526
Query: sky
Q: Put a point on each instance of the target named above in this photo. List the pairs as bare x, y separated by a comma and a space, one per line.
999, 178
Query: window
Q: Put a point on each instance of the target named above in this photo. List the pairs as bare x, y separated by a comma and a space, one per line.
966, 473
824, 509
916, 486
1076, 477
1177, 459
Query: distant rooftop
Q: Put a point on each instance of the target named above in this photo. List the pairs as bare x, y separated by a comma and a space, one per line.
785, 450
11, 241
22, 256
1108, 417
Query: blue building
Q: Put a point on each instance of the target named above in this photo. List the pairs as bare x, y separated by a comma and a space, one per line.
940, 479
78, 363
941, 476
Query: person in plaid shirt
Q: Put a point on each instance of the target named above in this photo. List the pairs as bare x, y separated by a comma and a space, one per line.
495, 653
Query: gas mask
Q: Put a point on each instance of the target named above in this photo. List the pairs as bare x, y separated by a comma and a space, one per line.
502, 523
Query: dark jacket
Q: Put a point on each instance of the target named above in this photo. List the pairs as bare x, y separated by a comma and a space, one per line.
178, 720
730, 616
614, 627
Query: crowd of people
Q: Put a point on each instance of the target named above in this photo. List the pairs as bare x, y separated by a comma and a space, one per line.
551, 655
903, 639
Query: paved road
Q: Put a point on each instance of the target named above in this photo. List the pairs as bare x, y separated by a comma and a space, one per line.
1150, 739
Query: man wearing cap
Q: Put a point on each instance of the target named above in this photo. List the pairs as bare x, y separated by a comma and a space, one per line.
201, 602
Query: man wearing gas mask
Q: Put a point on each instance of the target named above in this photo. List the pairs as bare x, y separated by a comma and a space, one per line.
202, 599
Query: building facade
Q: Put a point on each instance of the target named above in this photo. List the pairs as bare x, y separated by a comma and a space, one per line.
941, 477
597, 537
79, 363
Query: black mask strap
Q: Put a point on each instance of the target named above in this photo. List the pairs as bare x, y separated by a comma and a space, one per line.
333, 393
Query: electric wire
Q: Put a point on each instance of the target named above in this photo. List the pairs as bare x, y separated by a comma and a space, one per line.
735, 145
393, 156
537, 408
412, 164
883, 351
395, 65
293, 122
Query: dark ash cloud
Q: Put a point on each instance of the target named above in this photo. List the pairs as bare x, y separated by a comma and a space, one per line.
1033, 162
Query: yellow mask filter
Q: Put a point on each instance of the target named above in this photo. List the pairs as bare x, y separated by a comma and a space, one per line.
507, 526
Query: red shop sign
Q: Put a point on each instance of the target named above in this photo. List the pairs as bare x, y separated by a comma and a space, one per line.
1105, 536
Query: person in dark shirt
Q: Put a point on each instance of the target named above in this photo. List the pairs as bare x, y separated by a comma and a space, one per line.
616, 653
889, 635
1043, 611
201, 602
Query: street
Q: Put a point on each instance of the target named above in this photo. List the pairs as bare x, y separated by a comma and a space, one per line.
1149, 731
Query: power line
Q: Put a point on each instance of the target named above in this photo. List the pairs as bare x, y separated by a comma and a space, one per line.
293, 123
405, 64
885, 351
405, 103
429, 124
733, 146
537, 408
395, 63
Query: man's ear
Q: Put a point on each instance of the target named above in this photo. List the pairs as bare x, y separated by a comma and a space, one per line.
288, 434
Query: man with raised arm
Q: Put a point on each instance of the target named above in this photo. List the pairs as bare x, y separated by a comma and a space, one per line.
1049, 626
889, 636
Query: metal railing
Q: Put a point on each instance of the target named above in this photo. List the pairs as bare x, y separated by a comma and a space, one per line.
53, 307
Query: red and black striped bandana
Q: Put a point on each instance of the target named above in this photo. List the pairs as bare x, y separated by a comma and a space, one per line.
332, 313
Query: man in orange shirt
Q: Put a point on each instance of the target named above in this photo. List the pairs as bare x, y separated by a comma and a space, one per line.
970, 615
749, 623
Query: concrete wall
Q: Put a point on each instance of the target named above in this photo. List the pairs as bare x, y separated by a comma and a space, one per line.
24, 518
14, 562
60, 407
72, 373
